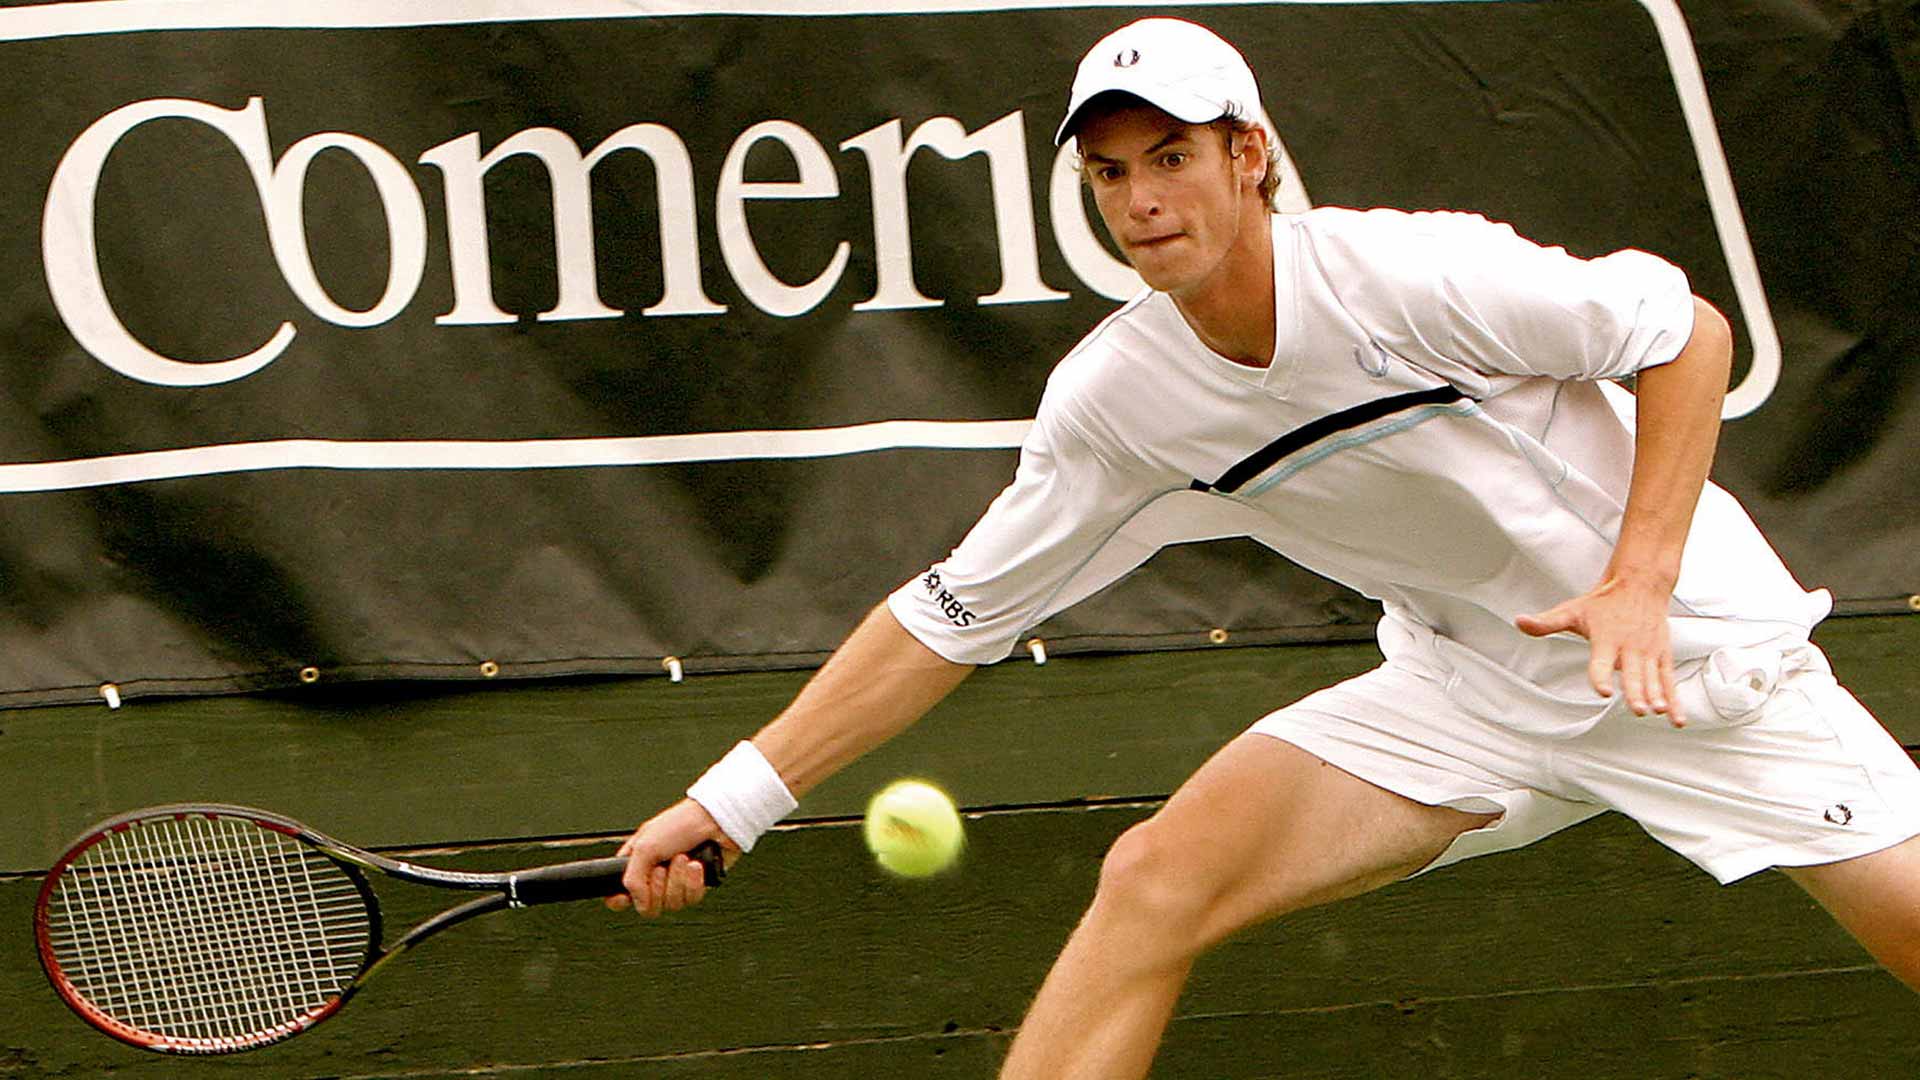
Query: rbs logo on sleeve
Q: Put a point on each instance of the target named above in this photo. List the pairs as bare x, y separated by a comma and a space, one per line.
949, 604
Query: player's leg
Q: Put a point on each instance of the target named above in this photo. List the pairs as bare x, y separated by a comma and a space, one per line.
1877, 898
1262, 829
1808, 781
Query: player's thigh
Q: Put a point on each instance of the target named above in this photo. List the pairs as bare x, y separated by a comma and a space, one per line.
1877, 898
1265, 827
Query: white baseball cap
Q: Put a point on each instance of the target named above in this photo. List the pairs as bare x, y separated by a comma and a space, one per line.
1182, 68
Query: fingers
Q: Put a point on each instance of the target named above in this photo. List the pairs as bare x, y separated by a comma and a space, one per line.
1603, 661
1671, 706
661, 877
671, 886
1633, 682
646, 883
686, 883
623, 901
1646, 681
1653, 688
1627, 638
1551, 621
634, 881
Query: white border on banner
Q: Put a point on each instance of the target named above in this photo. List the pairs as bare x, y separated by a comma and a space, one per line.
87, 17
514, 453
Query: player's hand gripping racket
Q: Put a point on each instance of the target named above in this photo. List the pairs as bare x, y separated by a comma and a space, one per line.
209, 929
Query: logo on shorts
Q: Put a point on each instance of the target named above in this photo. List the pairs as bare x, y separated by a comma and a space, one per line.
1838, 814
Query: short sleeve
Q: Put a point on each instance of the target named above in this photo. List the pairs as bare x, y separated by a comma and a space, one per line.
1063, 505
1452, 288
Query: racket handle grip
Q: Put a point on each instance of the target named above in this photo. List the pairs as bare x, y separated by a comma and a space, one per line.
592, 879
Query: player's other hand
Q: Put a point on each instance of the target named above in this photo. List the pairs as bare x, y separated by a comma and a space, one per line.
1626, 627
661, 876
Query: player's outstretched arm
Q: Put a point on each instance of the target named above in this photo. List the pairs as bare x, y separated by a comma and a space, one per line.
1624, 617
875, 685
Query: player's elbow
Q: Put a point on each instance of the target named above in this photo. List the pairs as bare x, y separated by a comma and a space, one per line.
1712, 335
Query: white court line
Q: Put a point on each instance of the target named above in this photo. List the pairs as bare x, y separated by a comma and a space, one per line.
512, 454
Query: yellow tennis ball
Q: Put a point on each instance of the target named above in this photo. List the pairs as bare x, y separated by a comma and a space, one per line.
913, 829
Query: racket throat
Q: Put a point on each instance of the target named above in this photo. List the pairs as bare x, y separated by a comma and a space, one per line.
450, 917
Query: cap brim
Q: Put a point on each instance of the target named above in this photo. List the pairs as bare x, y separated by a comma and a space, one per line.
1185, 107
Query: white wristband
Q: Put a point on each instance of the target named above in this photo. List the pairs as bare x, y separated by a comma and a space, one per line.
744, 794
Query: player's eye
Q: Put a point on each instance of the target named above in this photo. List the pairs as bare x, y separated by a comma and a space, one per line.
1173, 159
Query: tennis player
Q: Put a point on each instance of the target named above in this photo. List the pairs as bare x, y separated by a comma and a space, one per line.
1424, 407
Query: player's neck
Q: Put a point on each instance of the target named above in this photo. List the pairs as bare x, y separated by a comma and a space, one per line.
1232, 310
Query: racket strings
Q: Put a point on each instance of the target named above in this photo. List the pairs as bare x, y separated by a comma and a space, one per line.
208, 929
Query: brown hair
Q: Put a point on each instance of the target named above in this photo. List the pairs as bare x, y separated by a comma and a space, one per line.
1270, 183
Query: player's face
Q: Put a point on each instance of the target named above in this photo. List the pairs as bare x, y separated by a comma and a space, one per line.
1173, 195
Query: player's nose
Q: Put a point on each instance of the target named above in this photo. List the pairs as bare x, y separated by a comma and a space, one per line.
1143, 201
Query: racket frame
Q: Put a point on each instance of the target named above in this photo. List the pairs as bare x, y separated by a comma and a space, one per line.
584, 879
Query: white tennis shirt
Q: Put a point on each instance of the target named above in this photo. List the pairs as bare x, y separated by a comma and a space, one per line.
1435, 431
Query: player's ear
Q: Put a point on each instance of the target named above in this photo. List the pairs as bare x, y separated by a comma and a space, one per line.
1249, 150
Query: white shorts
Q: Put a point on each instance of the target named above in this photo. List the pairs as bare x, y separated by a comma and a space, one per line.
1811, 778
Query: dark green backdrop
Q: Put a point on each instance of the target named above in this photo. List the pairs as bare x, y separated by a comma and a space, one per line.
1559, 116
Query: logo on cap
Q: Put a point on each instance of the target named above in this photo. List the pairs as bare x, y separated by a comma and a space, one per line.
1126, 58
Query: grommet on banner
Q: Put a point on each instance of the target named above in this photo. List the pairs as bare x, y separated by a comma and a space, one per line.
674, 670
1039, 650
111, 693
488, 669
309, 675
1217, 635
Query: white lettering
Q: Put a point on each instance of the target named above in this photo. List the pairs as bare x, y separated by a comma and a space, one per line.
72, 260
892, 231
406, 227
1005, 145
817, 181
679, 223
1086, 256
75, 279
460, 161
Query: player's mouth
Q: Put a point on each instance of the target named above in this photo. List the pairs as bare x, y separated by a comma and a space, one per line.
1148, 243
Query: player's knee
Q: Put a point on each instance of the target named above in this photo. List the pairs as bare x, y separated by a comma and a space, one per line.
1146, 879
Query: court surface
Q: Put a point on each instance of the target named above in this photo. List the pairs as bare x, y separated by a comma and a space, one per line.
1595, 954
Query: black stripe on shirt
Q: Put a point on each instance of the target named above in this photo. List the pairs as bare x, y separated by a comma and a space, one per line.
1312, 432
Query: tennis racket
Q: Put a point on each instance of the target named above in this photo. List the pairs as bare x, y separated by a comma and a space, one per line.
203, 928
